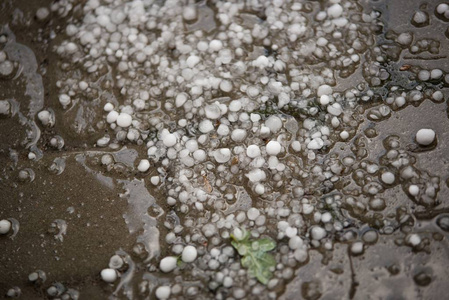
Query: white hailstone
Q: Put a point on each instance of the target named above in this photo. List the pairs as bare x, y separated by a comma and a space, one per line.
124, 120
192, 61
192, 145
326, 217
108, 275
238, 135
420, 18
438, 96
180, 99
228, 282
400, 101
189, 254
357, 248
335, 11
189, 13
223, 130
4, 107
170, 140
215, 45
168, 264
436, 74
163, 292
414, 239
155, 180
259, 189
108, 107
425, 137
222, 155
6, 68
324, 90
273, 148
283, 99
199, 155
324, 100
256, 175
206, 126
253, 151
144, 165
388, 178
301, 255
115, 262
318, 233
253, 213
45, 117
291, 231
112, 117
64, 99
235, 105
274, 123
226, 86
413, 190
212, 111
202, 46
442, 8
344, 135
5, 226
315, 144
295, 242
335, 109
296, 145
42, 13
261, 62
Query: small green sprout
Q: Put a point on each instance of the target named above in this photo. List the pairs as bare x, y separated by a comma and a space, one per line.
254, 252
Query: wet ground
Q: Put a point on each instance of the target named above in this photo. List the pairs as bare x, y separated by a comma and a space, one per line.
75, 211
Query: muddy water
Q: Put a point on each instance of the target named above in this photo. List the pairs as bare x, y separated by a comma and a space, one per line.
75, 211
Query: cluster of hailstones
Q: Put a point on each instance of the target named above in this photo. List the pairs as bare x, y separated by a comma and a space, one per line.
194, 97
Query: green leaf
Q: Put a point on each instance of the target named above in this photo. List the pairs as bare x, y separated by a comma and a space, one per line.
255, 257
266, 244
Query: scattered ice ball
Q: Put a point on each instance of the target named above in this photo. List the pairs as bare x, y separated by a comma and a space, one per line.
259, 189
413, 190
189, 254
318, 233
222, 155
42, 13
425, 137
324, 90
273, 148
115, 262
413, 240
206, 126
168, 264
108, 275
388, 178
64, 99
357, 248
189, 13
4, 107
212, 111
274, 123
335, 10
144, 165
124, 120
170, 140
46, 118
5, 226
253, 151
108, 107
163, 292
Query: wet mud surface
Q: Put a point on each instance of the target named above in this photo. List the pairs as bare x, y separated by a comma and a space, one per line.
78, 200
